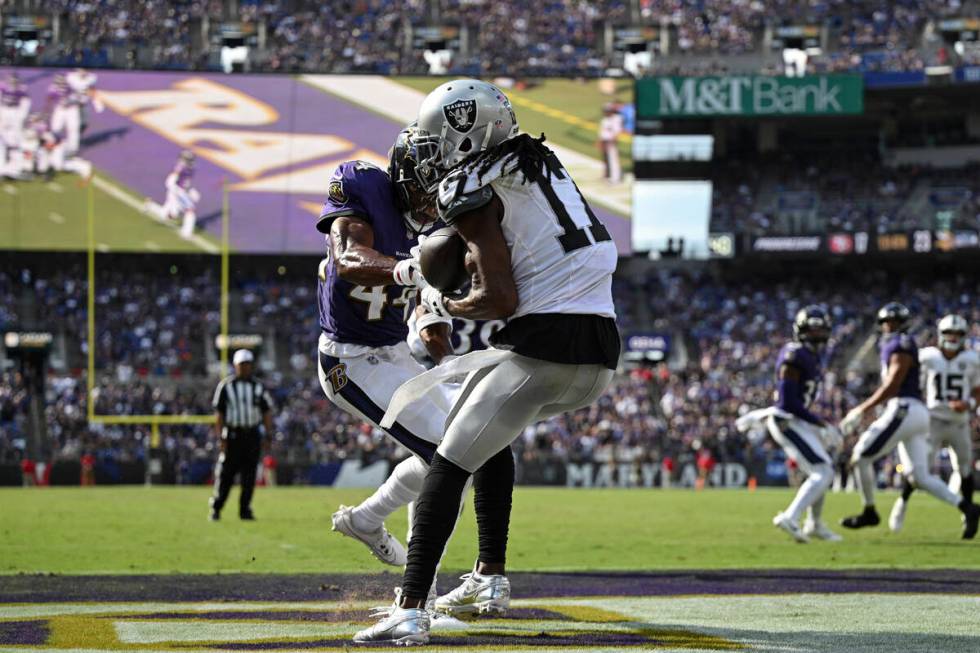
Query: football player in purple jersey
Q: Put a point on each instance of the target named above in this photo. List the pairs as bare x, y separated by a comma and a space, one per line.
904, 423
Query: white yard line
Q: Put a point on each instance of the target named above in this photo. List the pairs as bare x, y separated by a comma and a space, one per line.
137, 204
56, 218
102, 247
401, 103
152, 246
10, 189
56, 187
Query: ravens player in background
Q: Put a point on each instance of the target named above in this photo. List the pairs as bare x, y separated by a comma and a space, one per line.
804, 436
540, 259
904, 423
951, 379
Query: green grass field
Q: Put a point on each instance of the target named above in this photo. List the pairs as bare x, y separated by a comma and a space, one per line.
40, 215
163, 530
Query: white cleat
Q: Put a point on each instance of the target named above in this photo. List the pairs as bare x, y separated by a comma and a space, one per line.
896, 520
383, 545
403, 626
478, 594
783, 522
820, 531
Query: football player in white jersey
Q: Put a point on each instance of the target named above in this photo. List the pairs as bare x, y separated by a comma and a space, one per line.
539, 259
951, 379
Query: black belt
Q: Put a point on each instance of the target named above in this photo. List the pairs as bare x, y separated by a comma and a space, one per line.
242, 430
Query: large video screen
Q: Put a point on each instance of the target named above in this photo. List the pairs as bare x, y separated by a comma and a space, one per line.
151, 147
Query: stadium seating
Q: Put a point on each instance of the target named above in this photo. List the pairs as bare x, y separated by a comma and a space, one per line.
558, 37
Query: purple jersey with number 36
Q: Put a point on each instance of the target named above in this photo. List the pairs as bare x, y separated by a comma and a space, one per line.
364, 315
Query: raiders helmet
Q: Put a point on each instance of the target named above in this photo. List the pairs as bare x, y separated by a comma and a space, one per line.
894, 312
461, 118
410, 181
812, 325
952, 332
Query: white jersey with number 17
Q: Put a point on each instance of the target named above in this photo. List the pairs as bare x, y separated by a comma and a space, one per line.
948, 379
562, 257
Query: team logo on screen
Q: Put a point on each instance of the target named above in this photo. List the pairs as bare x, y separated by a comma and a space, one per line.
461, 114
335, 191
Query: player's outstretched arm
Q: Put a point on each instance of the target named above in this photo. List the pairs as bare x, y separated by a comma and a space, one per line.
352, 242
493, 293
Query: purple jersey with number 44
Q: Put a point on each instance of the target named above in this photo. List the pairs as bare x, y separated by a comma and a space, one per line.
373, 316
902, 343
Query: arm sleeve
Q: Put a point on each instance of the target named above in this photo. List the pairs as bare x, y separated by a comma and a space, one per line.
265, 399
219, 398
789, 400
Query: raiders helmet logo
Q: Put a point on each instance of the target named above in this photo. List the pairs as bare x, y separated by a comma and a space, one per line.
335, 191
461, 115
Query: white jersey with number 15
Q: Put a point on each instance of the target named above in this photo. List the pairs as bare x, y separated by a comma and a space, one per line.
945, 380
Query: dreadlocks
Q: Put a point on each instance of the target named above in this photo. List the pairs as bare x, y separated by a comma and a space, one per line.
531, 154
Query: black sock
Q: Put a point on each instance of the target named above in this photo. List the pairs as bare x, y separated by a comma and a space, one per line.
907, 489
966, 488
436, 510
870, 510
493, 489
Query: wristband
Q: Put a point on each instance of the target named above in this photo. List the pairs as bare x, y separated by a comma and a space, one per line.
429, 319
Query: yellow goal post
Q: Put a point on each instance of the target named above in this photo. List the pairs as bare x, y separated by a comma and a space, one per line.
154, 421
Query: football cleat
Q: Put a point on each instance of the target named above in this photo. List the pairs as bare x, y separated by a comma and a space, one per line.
867, 518
896, 519
971, 520
403, 626
437, 621
783, 522
382, 544
479, 594
819, 530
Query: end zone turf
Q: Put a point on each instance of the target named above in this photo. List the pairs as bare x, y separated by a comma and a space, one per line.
709, 611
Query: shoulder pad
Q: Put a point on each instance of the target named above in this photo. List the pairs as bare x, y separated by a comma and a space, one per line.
457, 205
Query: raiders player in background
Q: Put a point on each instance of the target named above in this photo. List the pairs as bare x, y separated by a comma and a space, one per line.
951, 379
904, 423
540, 259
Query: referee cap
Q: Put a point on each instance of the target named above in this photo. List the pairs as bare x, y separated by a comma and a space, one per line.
243, 356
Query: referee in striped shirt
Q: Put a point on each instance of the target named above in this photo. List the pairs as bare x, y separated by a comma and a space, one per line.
241, 404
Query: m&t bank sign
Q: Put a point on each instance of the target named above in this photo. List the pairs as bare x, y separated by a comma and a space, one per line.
749, 95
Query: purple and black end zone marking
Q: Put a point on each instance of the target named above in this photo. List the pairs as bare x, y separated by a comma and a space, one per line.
329, 587
23, 633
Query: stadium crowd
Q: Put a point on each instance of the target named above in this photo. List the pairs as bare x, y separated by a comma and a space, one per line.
556, 37
852, 190
729, 328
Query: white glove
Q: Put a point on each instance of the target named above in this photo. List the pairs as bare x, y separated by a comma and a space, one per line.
434, 302
407, 272
832, 437
851, 421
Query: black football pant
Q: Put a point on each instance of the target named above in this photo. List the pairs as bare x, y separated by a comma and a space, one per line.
241, 457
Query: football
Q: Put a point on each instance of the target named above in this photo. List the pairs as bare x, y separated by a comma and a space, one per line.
442, 257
